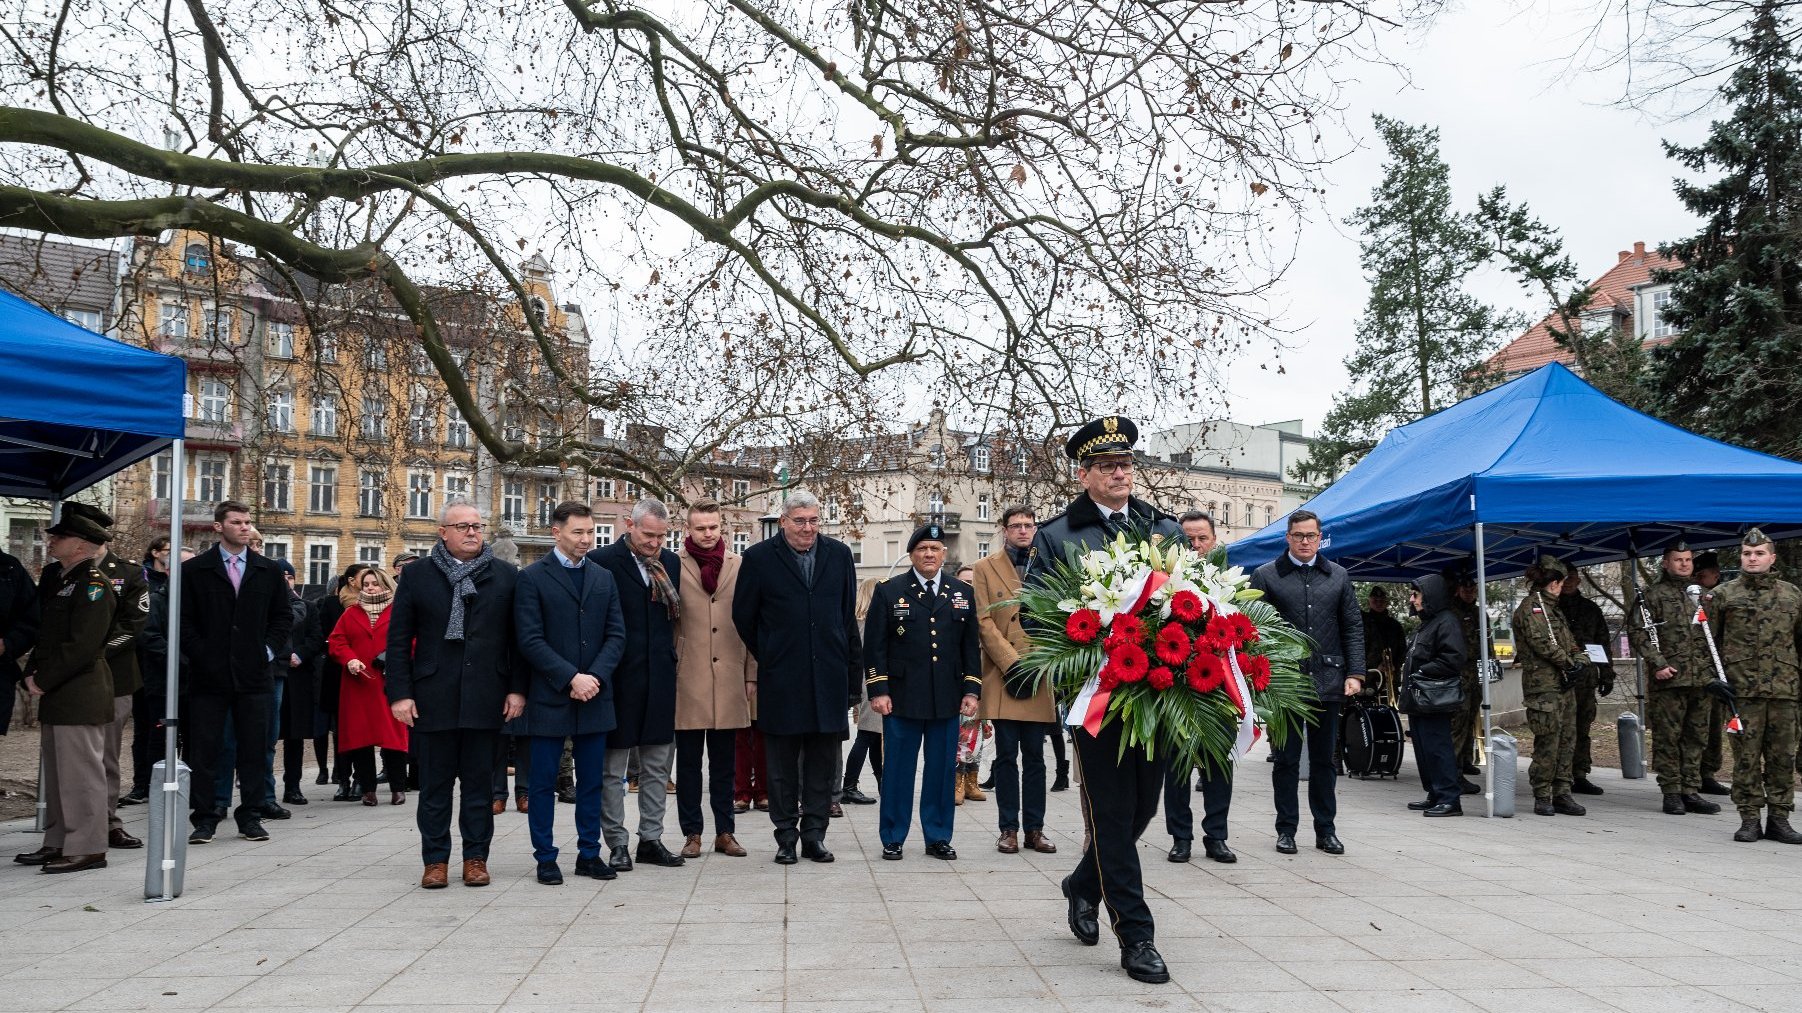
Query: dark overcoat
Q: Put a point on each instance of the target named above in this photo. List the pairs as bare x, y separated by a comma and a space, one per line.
19, 617
644, 685
454, 683
230, 638
563, 630
804, 638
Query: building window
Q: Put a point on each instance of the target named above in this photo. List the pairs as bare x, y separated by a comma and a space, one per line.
603, 534
1022, 461
456, 488
741, 490
369, 552
278, 484
327, 346
1661, 301
741, 540
280, 340
321, 567
672, 540
935, 455
631, 492
420, 363
832, 511
935, 503
857, 552
275, 550
603, 488
215, 400
1226, 512
982, 549
540, 312
90, 319
325, 415
162, 471
979, 460
216, 324
375, 356
419, 494
512, 429
456, 430
513, 504
374, 421
369, 492
419, 417
1269, 515
1250, 516
196, 259
174, 322
211, 473
281, 411
982, 508
322, 490
549, 495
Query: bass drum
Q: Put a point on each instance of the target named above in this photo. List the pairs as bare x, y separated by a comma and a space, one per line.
1371, 734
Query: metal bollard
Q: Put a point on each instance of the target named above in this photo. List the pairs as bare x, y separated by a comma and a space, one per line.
1504, 756
166, 813
1633, 745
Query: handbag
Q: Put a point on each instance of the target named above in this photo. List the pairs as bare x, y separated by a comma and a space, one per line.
1431, 696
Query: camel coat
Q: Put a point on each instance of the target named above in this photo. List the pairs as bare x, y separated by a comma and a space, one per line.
1003, 641
712, 665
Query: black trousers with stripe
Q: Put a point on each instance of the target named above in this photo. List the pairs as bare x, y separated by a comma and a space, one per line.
1119, 798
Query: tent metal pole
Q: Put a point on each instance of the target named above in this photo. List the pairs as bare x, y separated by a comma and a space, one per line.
43, 806
1639, 663
1483, 675
178, 474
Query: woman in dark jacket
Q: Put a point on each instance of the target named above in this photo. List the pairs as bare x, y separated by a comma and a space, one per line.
1432, 692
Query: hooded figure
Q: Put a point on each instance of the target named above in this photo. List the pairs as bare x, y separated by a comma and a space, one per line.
1432, 691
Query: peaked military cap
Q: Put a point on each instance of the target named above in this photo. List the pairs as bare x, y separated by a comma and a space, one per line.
1110, 434
926, 533
1755, 536
1552, 564
79, 521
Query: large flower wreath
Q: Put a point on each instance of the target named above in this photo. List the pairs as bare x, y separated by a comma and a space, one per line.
1175, 646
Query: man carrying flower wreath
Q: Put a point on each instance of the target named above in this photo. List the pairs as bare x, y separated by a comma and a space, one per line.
1120, 789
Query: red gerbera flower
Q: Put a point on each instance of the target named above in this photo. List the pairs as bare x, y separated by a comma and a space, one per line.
1243, 629
1172, 644
1256, 668
1131, 661
1161, 678
1206, 672
1125, 630
1109, 676
1083, 626
1187, 606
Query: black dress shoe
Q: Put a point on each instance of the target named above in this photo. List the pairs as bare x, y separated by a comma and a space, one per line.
134, 797
594, 868
1582, 786
1179, 850
855, 797
1218, 851
654, 853
1445, 809
785, 854
38, 857
891, 852
1084, 924
1470, 770
941, 850
272, 811
1421, 806
347, 793
323, 778
815, 851
293, 797
549, 874
1467, 787
1329, 843
620, 859
1285, 844
119, 837
252, 830
1143, 963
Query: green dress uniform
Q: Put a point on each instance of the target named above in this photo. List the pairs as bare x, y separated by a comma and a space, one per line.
69, 666
1587, 626
1546, 651
1757, 621
1678, 708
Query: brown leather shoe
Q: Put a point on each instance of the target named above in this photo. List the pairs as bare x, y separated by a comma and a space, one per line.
399, 798
436, 876
39, 857
475, 872
1035, 841
500, 806
76, 863
1009, 843
726, 844
691, 846
741, 806
520, 803
119, 837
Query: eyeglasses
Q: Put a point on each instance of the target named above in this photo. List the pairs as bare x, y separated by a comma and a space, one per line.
1313, 536
1022, 526
1113, 467
467, 527
805, 522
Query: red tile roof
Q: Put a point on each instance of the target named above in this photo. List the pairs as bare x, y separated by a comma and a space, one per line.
1537, 347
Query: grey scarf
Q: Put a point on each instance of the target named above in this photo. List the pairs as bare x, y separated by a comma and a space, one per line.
462, 577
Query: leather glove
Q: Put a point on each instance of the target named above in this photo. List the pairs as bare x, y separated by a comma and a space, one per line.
1020, 683
1605, 682
1574, 672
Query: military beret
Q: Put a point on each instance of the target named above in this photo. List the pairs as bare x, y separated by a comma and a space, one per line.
1111, 434
1755, 536
1708, 561
79, 524
1677, 546
1552, 564
926, 533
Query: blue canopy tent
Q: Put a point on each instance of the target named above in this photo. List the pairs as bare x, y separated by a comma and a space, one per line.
76, 407
1544, 463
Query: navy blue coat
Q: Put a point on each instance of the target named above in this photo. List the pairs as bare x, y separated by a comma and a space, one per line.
563, 632
805, 639
644, 685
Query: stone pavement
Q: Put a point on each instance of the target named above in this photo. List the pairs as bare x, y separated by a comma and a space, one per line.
1626, 909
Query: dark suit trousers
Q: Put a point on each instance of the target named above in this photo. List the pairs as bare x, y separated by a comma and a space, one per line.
1216, 800
589, 753
802, 769
249, 713
1433, 754
517, 751
1017, 785
906, 738
1119, 798
444, 758
1323, 771
146, 739
721, 747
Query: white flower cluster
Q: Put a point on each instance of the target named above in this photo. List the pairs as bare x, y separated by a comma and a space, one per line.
1115, 575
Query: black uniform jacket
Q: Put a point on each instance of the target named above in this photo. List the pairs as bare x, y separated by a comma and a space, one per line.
644, 684
454, 683
923, 652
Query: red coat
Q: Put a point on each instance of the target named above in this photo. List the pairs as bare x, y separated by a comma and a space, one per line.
363, 715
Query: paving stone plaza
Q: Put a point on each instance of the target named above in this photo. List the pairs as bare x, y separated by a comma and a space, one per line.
1626, 909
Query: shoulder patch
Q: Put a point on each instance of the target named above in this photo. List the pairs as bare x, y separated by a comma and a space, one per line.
96, 592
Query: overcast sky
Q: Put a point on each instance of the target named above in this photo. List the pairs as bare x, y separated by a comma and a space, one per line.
1494, 81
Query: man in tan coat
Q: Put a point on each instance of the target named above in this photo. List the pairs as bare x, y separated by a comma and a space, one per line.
1020, 724
715, 680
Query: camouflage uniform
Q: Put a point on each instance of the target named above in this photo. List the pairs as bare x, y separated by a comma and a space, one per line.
1677, 708
1464, 722
1757, 621
1587, 626
1545, 649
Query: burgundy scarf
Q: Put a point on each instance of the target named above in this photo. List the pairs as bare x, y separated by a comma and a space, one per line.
710, 561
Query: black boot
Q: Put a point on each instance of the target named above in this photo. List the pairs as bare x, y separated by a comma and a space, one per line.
1777, 828
1567, 806
1695, 803
1748, 827
1673, 805
1712, 787
1062, 783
